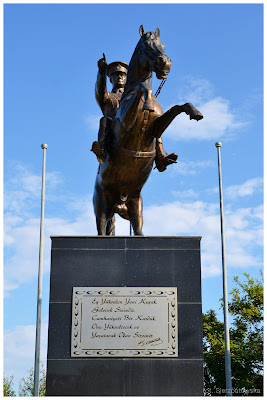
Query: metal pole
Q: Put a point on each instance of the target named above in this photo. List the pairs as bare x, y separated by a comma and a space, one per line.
131, 229
225, 295
39, 294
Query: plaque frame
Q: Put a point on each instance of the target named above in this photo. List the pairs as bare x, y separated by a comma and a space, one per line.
168, 293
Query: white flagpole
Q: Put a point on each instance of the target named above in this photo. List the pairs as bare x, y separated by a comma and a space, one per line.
39, 294
225, 294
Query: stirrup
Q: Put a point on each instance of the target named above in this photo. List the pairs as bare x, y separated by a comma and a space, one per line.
171, 158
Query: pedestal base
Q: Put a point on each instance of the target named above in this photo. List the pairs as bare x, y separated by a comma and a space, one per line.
130, 262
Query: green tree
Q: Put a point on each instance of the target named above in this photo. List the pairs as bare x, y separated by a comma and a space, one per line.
26, 384
246, 342
8, 386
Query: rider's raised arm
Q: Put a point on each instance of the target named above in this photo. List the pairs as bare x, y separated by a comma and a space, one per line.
101, 83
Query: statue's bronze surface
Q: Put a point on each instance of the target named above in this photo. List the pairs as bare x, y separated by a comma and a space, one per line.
129, 138
108, 102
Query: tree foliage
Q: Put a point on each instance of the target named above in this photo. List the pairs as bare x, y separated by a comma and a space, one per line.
8, 386
27, 384
246, 341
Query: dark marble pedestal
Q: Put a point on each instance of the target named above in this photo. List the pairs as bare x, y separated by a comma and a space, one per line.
130, 262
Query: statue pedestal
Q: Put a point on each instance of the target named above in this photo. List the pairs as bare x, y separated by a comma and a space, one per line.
125, 262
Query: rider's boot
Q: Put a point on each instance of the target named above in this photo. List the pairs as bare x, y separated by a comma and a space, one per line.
99, 148
161, 160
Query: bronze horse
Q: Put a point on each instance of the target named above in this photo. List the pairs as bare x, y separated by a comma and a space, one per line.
131, 153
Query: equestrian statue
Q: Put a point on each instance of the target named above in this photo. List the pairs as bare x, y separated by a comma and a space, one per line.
129, 137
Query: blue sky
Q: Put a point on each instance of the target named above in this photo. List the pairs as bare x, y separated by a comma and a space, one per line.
50, 65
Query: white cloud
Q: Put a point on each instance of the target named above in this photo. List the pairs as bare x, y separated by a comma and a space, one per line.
190, 167
231, 193
212, 190
248, 188
185, 194
258, 212
19, 345
196, 90
23, 188
219, 120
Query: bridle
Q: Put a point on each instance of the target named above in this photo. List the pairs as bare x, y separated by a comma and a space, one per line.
163, 80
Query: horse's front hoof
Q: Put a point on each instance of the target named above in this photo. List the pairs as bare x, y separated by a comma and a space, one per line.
196, 115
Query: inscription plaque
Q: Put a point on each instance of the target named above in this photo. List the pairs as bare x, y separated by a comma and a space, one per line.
124, 322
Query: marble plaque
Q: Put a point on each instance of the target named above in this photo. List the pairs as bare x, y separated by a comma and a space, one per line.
124, 322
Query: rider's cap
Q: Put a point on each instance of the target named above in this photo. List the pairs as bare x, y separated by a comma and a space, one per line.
117, 66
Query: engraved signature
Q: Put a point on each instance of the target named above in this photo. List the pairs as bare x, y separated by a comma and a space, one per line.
152, 342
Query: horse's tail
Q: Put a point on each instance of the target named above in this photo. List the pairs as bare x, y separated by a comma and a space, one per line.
110, 229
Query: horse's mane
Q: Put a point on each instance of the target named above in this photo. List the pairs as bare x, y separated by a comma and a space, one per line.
134, 62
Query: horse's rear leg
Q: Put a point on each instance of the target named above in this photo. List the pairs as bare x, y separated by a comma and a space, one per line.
101, 223
135, 212
110, 228
105, 221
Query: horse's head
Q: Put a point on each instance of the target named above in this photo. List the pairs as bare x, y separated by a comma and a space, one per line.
151, 53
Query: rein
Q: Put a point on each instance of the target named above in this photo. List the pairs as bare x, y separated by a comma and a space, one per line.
135, 84
160, 87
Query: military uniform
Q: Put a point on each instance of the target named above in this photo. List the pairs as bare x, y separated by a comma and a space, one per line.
108, 102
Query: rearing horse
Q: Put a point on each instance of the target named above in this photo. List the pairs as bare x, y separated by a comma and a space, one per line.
139, 121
